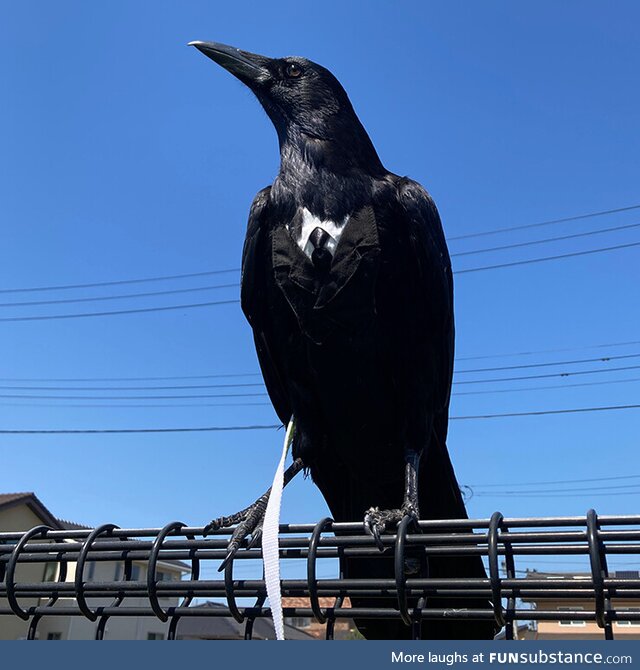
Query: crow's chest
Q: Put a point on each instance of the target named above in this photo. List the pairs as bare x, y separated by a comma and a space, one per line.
326, 273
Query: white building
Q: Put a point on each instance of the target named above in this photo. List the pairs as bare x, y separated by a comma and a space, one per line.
22, 511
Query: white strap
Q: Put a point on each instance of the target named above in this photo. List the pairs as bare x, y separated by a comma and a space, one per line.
270, 548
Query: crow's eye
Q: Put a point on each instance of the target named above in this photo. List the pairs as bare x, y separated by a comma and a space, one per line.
292, 70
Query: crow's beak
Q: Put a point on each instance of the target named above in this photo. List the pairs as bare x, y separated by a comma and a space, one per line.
250, 69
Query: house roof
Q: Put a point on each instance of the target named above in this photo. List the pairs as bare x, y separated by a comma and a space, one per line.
32, 501
227, 628
306, 602
72, 525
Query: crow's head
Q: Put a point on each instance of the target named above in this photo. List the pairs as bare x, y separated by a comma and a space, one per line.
303, 99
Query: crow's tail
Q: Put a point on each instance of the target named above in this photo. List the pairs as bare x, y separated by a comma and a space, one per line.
440, 498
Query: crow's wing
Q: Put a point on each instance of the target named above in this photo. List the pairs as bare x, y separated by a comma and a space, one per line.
255, 302
431, 291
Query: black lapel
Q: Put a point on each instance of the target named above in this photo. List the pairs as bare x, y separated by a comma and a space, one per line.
345, 293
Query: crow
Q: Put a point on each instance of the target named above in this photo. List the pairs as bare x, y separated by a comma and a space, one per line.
347, 286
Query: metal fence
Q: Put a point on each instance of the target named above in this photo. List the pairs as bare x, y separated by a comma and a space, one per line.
503, 542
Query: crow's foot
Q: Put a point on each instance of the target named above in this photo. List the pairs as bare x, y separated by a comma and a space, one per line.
247, 523
249, 520
376, 520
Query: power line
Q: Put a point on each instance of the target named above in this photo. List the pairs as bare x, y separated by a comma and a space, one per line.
547, 388
200, 429
125, 296
599, 359
257, 374
148, 294
130, 379
555, 495
119, 282
548, 351
457, 393
138, 406
249, 384
134, 397
260, 384
246, 395
603, 359
573, 410
530, 243
129, 388
549, 222
118, 312
87, 431
547, 258
548, 376
572, 490
556, 481
142, 310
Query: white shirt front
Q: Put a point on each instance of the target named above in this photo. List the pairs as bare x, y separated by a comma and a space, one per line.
310, 223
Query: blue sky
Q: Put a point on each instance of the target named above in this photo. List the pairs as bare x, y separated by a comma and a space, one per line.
125, 154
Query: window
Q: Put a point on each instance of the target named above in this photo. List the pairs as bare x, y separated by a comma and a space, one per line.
155, 636
628, 623
572, 622
91, 570
117, 575
54, 636
164, 576
135, 573
50, 572
298, 621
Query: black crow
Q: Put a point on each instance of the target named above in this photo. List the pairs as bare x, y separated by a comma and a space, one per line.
347, 285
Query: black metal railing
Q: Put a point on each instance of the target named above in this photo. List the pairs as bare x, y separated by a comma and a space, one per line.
503, 542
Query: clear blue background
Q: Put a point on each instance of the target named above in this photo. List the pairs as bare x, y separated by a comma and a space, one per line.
124, 154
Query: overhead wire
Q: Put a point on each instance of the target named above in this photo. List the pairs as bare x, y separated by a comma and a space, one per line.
119, 282
257, 374
124, 296
547, 258
547, 222
547, 240
198, 429
259, 384
142, 310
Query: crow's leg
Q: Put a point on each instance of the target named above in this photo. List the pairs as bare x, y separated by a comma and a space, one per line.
377, 520
249, 520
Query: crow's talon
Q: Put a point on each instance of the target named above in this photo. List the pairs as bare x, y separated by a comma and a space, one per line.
252, 525
375, 523
256, 537
376, 520
239, 534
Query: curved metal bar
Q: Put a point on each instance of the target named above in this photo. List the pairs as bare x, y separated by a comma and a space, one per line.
598, 565
118, 600
494, 572
195, 575
101, 626
416, 622
311, 569
331, 617
11, 570
105, 529
228, 590
511, 574
152, 585
62, 577
248, 627
33, 625
401, 537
